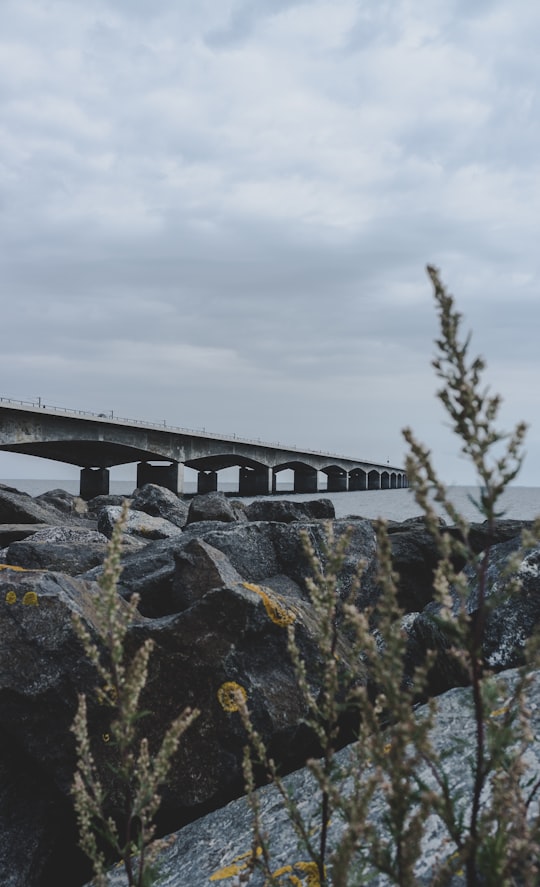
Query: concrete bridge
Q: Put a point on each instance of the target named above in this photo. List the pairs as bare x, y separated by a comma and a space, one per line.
96, 442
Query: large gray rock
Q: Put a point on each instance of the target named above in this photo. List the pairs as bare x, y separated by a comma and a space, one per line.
286, 511
511, 619
212, 507
257, 551
20, 508
65, 557
63, 501
217, 846
233, 632
139, 524
160, 502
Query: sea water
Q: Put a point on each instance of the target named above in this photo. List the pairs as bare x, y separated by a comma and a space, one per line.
519, 503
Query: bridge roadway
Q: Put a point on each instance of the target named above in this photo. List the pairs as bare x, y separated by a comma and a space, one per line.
96, 442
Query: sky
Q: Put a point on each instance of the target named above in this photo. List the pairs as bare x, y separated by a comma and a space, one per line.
219, 213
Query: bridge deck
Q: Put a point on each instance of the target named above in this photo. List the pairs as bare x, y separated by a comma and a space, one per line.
96, 442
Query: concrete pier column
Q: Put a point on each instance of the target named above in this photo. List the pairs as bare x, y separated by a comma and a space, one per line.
305, 480
94, 482
374, 480
254, 481
169, 476
358, 480
207, 482
337, 481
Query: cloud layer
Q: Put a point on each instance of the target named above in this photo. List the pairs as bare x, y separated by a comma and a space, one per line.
219, 213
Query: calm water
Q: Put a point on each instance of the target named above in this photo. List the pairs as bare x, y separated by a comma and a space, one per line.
519, 502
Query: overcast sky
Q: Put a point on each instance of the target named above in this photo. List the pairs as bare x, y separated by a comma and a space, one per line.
219, 212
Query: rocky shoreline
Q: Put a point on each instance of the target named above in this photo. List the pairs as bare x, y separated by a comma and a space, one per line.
215, 578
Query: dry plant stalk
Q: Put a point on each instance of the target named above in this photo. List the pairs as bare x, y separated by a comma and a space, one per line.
496, 836
137, 771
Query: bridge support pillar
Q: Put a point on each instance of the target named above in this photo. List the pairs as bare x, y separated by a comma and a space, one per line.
357, 480
305, 480
254, 481
207, 482
94, 482
337, 483
374, 480
169, 476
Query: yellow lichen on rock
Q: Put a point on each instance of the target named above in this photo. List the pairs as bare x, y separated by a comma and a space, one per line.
30, 599
231, 696
236, 867
275, 609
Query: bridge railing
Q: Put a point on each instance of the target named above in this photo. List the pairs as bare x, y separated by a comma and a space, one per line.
164, 426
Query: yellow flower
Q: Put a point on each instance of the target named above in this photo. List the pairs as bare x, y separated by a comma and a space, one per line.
275, 610
30, 599
11, 597
231, 696
106, 737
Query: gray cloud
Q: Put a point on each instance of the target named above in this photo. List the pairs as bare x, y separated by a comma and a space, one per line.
220, 214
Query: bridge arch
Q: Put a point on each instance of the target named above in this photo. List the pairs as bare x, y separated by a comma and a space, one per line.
337, 478
96, 443
305, 476
254, 477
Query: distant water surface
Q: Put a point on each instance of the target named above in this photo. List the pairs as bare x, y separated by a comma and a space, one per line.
520, 503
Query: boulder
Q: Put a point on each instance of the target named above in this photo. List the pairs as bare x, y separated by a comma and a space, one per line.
260, 550
96, 504
139, 524
235, 631
212, 507
162, 575
160, 502
199, 568
20, 508
63, 501
510, 621
14, 532
216, 848
414, 558
72, 555
286, 511
41, 671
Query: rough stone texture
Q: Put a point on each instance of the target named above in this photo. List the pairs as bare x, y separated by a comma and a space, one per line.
64, 557
235, 631
287, 511
14, 532
77, 535
414, 557
160, 502
96, 504
511, 620
199, 568
480, 537
63, 501
195, 856
212, 507
257, 551
214, 599
20, 508
139, 524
